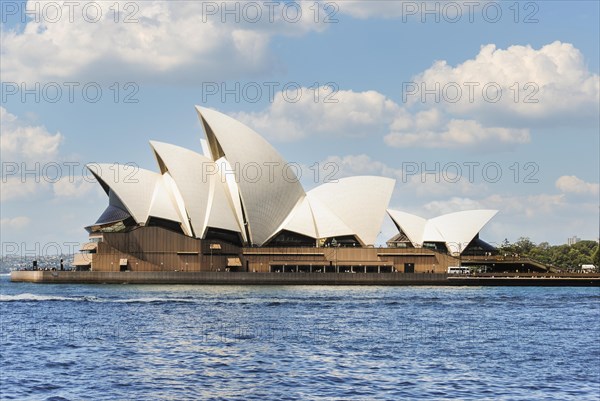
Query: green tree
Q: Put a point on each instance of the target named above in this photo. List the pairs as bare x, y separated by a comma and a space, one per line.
506, 247
596, 256
561, 256
524, 246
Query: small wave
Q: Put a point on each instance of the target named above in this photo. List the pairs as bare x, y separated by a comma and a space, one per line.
46, 387
65, 364
152, 300
27, 297
35, 298
4, 274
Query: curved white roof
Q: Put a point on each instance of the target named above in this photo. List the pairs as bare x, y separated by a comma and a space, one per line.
301, 220
456, 230
167, 203
412, 225
461, 227
268, 189
432, 233
132, 185
312, 218
197, 180
360, 202
327, 223
242, 184
233, 193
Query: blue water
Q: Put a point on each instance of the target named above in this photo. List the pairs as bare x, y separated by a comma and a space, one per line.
128, 342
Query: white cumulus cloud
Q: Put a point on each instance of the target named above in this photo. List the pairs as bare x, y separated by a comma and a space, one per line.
14, 223
20, 187
24, 142
323, 111
575, 185
454, 204
521, 81
370, 113
361, 164
554, 78
184, 41
72, 187
459, 134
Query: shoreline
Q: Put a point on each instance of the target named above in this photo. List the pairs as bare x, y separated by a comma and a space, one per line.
245, 278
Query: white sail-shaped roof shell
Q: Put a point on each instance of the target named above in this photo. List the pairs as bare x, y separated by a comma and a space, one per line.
233, 192
196, 177
132, 185
301, 220
143, 193
411, 225
432, 233
267, 197
327, 223
313, 219
167, 203
359, 202
456, 230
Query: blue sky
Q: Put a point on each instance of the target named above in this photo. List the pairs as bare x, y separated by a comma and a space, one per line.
172, 52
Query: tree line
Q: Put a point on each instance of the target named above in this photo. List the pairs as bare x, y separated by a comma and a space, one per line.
561, 256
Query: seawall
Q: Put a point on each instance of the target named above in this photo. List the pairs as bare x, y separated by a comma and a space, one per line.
227, 278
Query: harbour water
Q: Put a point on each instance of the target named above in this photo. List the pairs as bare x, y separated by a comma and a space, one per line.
178, 342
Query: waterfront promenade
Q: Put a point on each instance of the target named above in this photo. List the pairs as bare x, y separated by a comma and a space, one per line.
243, 278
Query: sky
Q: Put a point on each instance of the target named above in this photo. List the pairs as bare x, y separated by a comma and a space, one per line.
467, 105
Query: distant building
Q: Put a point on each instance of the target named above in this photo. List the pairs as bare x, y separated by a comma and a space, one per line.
573, 240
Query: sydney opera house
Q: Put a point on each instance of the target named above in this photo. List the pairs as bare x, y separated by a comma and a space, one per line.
238, 206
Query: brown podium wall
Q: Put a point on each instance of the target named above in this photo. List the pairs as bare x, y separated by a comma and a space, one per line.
158, 249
